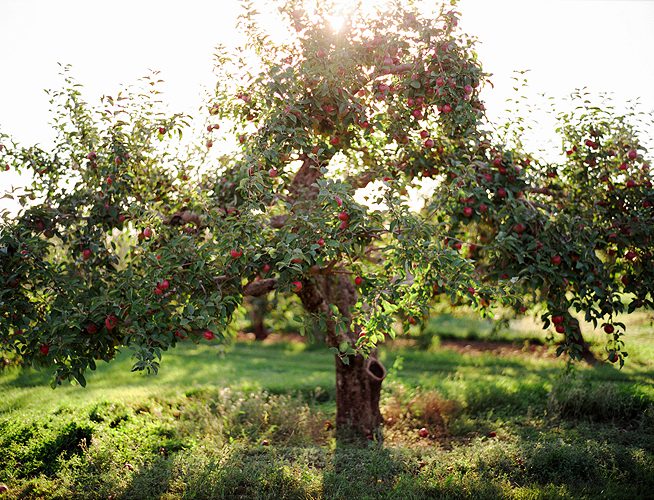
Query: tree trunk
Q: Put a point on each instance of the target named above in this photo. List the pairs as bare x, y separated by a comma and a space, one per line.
358, 383
584, 347
258, 307
358, 387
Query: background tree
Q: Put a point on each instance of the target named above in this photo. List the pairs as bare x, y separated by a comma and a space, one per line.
133, 241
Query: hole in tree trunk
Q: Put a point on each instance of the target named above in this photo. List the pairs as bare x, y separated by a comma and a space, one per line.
375, 370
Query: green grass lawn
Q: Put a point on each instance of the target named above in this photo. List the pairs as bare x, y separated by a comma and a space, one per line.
253, 421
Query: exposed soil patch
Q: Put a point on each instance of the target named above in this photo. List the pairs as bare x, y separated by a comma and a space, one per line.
499, 348
463, 346
273, 338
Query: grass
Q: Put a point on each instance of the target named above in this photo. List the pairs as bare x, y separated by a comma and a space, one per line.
254, 421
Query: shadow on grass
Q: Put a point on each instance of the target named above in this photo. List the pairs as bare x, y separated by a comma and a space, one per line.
151, 481
249, 472
360, 470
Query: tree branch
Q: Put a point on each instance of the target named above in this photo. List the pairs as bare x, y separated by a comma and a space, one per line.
184, 217
302, 186
278, 221
260, 287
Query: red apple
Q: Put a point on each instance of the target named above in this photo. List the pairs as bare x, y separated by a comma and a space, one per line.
265, 268
343, 216
320, 242
158, 291
338, 201
424, 134
86, 254
91, 328
608, 328
358, 280
272, 172
447, 108
162, 130
632, 154
519, 228
423, 433
501, 192
297, 286
457, 245
335, 141
111, 322
560, 329
483, 208
235, 253
109, 181
556, 260
208, 334
429, 143
557, 320
45, 349
471, 290
147, 232
468, 211
164, 285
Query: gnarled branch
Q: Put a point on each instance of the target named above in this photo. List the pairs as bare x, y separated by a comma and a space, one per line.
260, 287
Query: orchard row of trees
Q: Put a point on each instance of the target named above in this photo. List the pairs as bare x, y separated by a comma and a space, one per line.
128, 239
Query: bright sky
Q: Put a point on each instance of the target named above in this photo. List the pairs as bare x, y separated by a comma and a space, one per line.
603, 44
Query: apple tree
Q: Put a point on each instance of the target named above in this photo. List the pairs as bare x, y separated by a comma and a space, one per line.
129, 239
573, 236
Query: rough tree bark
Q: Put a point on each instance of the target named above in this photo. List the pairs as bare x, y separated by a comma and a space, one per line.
358, 388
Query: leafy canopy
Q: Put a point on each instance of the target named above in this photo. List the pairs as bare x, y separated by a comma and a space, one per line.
362, 165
